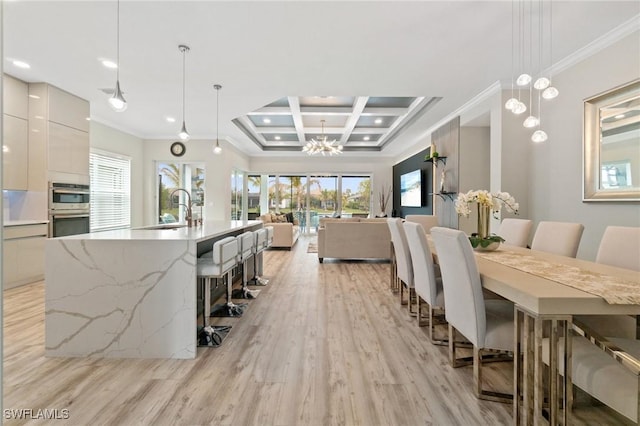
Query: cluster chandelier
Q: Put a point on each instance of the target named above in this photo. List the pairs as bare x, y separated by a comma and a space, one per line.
322, 145
117, 101
524, 82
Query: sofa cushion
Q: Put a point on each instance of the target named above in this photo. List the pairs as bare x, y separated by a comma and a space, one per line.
266, 218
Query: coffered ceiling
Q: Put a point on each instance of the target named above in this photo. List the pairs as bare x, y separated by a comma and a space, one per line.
358, 123
408, 63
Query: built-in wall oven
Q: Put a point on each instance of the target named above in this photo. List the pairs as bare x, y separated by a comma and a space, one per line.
68, 209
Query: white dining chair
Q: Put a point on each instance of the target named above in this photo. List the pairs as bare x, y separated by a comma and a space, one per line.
404, 268
620, 246
560, 238
488, 325
428, 287
515, 231
427, 221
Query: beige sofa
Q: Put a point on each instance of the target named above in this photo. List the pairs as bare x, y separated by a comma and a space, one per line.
354, 238
285, 234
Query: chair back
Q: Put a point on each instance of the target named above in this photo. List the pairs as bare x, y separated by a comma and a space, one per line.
427, 221
620, 246
401, 248
560, 238
225, 252
424, 277
245, 245
515, 231
260, 240
463, 299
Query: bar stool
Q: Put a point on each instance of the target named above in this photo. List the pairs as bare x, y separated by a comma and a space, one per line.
215, 264
246, 242
261, 238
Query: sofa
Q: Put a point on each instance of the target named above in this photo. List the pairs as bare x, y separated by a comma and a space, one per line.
354, 238
285, 234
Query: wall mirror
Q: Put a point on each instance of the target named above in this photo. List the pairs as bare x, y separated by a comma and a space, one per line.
611, 145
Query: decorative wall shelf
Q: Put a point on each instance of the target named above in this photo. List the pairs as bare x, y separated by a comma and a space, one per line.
445, 195
443, 160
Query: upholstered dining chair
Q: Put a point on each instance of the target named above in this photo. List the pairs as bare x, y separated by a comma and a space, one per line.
404, 268
560, 238
428, 287
515, 231
427, 221
215, 264
487, 324
620, 246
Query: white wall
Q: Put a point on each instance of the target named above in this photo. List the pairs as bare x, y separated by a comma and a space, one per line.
556, 165
380, 169
218, 170
109, 139
475, 162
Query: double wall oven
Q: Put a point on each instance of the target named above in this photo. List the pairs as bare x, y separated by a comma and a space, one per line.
68, 209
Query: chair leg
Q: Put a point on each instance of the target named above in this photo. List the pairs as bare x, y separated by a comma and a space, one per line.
432, 329
477, 379
411, 296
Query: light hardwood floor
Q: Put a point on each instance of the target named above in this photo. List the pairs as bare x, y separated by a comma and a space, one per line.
323, 344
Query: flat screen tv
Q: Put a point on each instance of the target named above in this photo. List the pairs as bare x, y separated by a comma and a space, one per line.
411, 189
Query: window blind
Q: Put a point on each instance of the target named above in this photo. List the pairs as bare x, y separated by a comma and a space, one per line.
110, 178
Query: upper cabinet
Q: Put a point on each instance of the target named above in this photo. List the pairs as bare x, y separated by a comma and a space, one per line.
15, 101
68, 110
15, 146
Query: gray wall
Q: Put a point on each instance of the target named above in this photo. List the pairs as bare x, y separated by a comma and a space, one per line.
555, 166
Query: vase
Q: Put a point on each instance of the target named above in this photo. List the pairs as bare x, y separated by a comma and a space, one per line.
484, 214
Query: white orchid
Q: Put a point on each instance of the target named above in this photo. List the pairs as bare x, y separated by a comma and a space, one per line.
483, 197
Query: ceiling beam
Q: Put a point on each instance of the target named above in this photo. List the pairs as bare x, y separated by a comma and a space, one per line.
294, 104
358, 107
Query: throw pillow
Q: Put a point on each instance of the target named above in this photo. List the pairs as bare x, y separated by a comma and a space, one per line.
281, 218
266, 218
289, 217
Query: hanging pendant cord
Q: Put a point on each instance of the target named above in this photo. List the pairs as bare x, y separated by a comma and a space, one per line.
118, 41
217, 114
184, 53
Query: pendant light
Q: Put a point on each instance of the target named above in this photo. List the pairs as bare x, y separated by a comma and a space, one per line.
183, 135
512, 101
117, 101
217, 149
550, 91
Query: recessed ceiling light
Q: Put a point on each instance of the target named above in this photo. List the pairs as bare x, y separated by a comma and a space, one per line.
21, 64
266, 120
277, 138
109, 64
170, 119
378, 121
366, 138
619, 116
34, 96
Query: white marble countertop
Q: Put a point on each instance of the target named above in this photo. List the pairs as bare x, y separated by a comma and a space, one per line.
175, 231
25, 222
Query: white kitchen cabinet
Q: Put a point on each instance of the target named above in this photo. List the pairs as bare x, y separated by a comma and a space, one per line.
15, 153
38, 137
68, 110
68, 150
15, 100
23, 254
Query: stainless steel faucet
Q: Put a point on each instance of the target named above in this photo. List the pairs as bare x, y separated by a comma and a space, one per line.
189, 215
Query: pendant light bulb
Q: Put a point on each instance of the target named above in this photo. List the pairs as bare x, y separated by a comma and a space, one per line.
550, 92
523, 79
184, 135
511, 104
117, 101
539, 136
530, 122
541, 83
519, 108
217, 149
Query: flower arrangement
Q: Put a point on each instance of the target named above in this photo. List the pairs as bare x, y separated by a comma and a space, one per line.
486, 202
485, 198
383, 199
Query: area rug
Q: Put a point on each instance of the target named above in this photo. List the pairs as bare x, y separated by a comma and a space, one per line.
312, 247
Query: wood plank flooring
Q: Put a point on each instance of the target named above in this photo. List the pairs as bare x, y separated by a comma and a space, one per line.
323, 344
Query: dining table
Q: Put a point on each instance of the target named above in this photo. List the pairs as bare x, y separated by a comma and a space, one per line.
548, 290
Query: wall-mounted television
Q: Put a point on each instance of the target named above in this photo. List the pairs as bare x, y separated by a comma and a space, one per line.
411, 189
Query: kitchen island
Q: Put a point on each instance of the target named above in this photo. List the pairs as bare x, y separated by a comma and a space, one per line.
128, 293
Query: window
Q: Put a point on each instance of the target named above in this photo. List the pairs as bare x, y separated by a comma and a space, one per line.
237, 189
171, 176
110, 179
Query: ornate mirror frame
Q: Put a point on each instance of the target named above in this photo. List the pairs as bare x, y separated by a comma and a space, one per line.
606, 110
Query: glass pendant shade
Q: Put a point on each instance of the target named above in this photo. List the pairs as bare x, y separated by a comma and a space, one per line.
519, 108
541, 83
217, 149
183, 135
523, 79
550, 92
510, 104
531, 121
117, 101
539, 136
